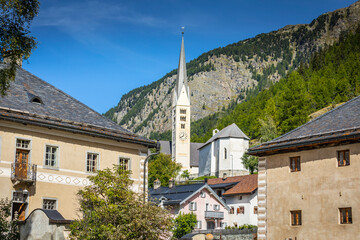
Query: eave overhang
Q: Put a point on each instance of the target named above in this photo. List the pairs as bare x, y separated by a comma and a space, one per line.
342, 137
74, 127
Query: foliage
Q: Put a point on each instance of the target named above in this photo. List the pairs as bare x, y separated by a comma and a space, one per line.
185, 174
184, 224
162, 167
15, 40
111, 210
245, 226
9, 229
165, 136
332, 76
203, 178
250, 163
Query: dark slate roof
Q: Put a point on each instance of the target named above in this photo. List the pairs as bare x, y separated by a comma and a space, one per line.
58, 110
339, 124
232, 131
166, 147
176, 194
53, 215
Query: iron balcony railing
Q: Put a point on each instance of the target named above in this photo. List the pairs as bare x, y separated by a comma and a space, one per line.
213, 214
23, 172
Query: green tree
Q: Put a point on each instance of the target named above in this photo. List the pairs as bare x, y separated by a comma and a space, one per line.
162, 167
268, 130
111, 210
16, 43
9, 229
185, 174
184, 224
250, 163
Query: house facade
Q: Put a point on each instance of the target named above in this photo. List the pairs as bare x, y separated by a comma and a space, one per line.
240, 194
222, 153
309, 179
211, 211
50, 143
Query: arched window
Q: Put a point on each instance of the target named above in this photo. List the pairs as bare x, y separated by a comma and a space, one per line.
225, 153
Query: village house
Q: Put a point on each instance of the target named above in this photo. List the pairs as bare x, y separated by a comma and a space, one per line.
240, 194
309, 179
211, 211
50, 143
222, 153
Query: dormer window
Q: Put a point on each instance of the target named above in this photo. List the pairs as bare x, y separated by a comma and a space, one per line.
36, 100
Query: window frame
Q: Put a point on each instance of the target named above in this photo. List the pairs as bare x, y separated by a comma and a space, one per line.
192, 206
57, 157
240, 210
96, 165
297, 164
348, 219
296, 218
255, 209
128, 163
343, 152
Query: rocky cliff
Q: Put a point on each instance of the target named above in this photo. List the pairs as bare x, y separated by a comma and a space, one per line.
227, 74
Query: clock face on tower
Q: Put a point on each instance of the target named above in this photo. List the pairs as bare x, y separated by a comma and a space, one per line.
183, 135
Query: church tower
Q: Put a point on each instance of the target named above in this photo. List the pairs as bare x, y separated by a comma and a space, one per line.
181, 115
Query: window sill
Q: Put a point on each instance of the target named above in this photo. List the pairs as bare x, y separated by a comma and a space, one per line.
51, 168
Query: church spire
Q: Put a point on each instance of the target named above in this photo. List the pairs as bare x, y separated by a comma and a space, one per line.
181, 80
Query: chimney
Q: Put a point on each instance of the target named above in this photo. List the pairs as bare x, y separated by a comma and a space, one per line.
215, 131
224, 176
157, 184
171, 183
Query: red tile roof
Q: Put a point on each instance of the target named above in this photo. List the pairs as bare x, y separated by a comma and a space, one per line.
245, 184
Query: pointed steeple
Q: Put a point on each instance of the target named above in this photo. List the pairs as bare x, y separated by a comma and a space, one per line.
181, 80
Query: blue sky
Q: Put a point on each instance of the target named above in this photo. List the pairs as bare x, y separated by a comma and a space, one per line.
99, 50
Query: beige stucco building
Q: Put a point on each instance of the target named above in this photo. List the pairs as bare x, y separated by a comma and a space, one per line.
309, 179
50, 143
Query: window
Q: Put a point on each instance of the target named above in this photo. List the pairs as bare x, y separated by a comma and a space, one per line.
198, 225
183, 118
295, 218
223, 225
240, 210
216, 207
92, 162
124, 163
295, 164
192, 206
20, 143
203, 194
343, 158
49, 204
255, 210
232, 210
225, 153
183, 126
51, 158
345, 215
183, 111
219, 193
240, 197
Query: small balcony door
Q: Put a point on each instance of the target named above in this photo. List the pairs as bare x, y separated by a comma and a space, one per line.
21, 163
210, 225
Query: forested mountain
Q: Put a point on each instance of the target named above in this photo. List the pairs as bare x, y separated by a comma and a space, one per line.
224, 77
332, 76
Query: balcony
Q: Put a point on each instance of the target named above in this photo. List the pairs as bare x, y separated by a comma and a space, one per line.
23, 172
213, 214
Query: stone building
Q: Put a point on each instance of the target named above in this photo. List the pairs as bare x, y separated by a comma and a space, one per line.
50, 143
222, 153
309, 179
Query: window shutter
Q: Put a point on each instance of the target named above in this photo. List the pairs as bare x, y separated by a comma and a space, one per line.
130, 164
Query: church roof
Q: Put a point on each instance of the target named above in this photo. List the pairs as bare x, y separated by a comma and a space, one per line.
336, 126
181, 79
231, 131
33, 101
166, 147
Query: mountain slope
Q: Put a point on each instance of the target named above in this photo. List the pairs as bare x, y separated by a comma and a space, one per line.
228, 74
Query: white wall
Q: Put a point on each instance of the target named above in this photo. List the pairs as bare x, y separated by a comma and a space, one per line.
248, 202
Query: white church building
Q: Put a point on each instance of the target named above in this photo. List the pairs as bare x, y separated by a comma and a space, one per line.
222, 153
